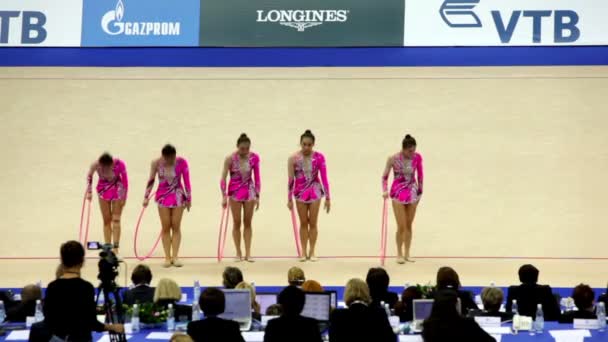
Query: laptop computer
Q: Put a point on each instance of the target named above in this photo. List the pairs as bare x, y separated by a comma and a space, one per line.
422, 310
238, 308
318, 306
266, 300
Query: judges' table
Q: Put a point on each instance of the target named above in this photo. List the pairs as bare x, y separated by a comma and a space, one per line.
162, 335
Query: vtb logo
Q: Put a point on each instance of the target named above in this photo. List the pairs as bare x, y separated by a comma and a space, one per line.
32, 26
459, 14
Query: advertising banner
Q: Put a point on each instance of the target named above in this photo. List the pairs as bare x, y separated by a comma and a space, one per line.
504, 23
140, 23
40, 22
301, 23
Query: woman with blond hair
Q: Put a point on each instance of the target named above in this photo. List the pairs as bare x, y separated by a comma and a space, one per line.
295, 276
360, 321
168, 292
255, 307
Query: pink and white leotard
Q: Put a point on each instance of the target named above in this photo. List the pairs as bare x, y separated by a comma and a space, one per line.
305, 186
112, 184
242, 187
171, 193
407, 179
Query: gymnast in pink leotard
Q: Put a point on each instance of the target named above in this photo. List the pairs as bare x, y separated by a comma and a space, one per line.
172, 197
242, 193
112, 188
303, 169
405, 192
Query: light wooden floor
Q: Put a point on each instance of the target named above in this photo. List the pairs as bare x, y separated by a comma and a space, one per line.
515, 164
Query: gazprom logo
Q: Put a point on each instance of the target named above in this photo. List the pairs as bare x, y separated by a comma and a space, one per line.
112, 23
459, 13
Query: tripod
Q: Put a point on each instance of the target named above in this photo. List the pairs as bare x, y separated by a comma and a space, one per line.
109, 287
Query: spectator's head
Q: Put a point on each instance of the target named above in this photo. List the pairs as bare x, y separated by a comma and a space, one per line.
447, 278
583, 296
72, 255
212, 301
232, 277
274, 310
292, 300
179, 337
312, 286
141, 275
167, 289
528, 274
445, 306
295, 276
59, 271
246, 286
405, 306
31, 293
377, 280
491, 298
356, 290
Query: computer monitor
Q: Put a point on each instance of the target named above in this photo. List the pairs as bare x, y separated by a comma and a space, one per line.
238, 307
266, 300
317, 306
422, 309
334, 298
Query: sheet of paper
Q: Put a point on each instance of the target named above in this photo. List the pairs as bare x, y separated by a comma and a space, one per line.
29, 321
18, 335
498, 338
488, 321
570, 334
106, 338
586, 324
159, 336
253, 336
497, 330
410, 338
184, 298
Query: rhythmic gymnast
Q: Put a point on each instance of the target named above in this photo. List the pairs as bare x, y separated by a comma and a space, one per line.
112, 188
172, 197
242, 193
303, 169
405, 192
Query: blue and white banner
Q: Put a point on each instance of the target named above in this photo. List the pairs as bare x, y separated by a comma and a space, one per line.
141, 23
500, 22
40, 22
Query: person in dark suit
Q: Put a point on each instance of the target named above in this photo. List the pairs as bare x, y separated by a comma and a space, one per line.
445, 324
361, 321
168, 292
69, 305
529, 294
27, 306
448, 279
378, 280
492, 298
291, 326
405, 307
583, 296
142, 292
213, 328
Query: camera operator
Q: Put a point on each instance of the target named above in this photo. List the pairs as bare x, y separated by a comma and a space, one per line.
69, 307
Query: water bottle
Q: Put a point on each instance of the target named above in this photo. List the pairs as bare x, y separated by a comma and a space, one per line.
540, 319
406, 285
2, 312
170, 318
197, 291
196, 312
601, 316
387, 309
514, 308
38, 315
135, 319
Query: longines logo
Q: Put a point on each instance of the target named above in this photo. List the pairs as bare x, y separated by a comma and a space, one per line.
302, 19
